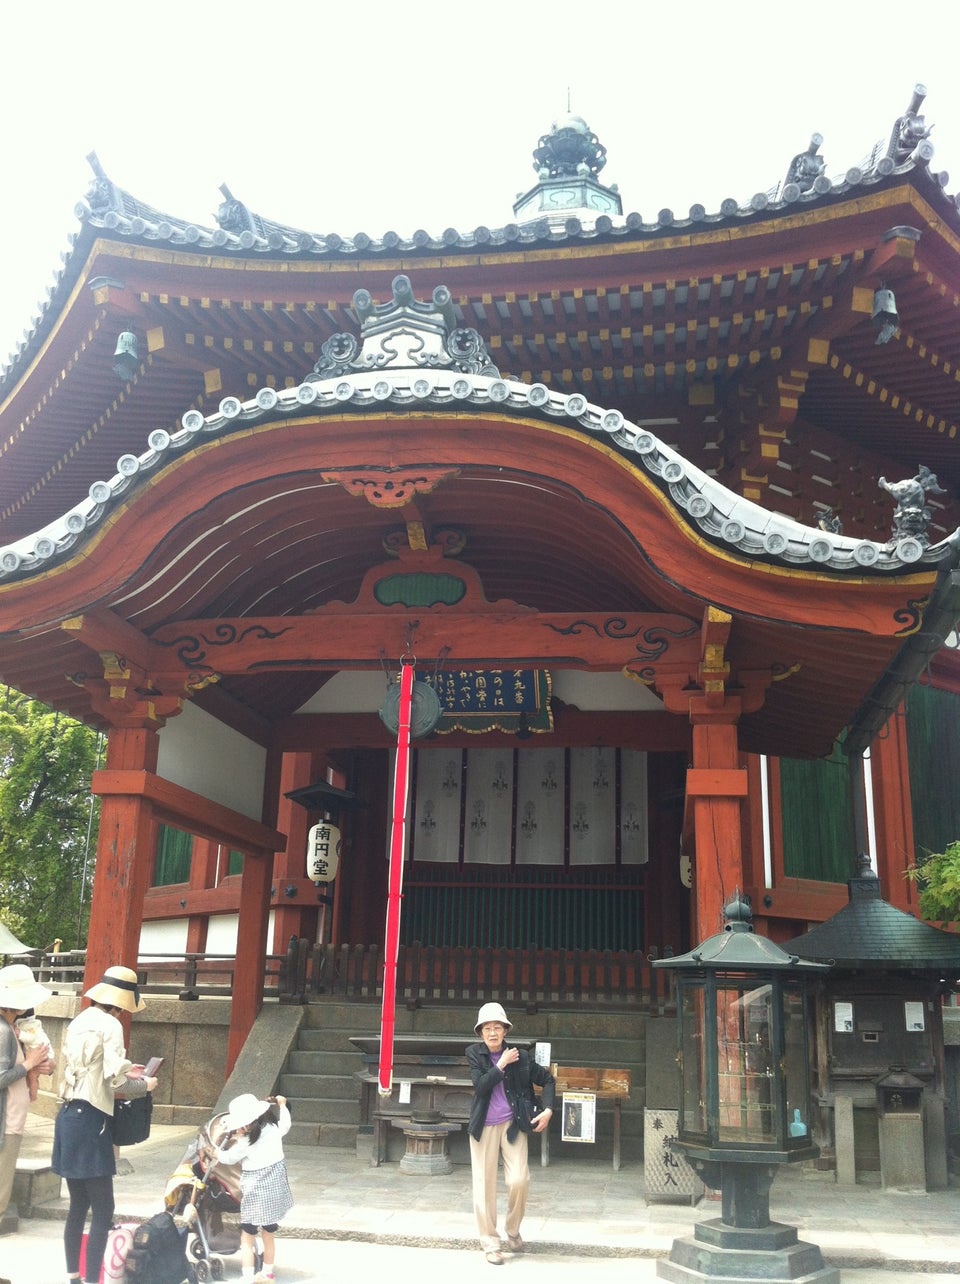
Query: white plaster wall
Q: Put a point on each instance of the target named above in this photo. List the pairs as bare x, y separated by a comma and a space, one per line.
222, 934
203, 755
169, 936
602, 691
163, 936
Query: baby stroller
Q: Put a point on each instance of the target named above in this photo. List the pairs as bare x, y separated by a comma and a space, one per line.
205, 1193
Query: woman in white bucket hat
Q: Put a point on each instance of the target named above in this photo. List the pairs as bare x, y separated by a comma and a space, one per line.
504, 1112
95, 1068
19, 992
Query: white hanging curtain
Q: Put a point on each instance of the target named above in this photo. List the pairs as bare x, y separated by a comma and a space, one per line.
488, 820
634, 826
540, 798
593, 796
436, 829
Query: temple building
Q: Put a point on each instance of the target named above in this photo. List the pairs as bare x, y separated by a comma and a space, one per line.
663, 509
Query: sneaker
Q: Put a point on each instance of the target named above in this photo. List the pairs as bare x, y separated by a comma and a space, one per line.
515, 1244
494, 1257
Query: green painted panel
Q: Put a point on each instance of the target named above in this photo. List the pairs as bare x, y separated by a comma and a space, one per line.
817, 818
419, 590
933, 748
174, 849
516, 907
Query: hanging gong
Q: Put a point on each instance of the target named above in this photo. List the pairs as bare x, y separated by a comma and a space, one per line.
425, 710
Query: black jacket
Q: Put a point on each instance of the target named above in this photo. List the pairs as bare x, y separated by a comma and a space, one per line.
518, 1081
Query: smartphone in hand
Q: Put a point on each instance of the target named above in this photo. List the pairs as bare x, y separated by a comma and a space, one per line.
152, 1066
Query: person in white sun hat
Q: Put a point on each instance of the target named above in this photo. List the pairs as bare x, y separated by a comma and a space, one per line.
19, 993
504, 1112
95, 1068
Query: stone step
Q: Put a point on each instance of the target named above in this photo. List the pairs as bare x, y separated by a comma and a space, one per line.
333, 1042
326, 1110
304, 1086
303, 1133
340, 1136
310, 1061
315, 1133
34, 1182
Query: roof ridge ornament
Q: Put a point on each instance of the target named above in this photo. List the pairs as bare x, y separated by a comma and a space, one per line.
570, 149
232, 215
806, 167
567, 162
102, 194
910, 130
405, 334
912, 514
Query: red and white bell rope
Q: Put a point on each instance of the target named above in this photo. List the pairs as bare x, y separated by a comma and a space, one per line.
398, 832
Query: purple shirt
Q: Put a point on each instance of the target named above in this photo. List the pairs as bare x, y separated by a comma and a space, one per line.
498, 1108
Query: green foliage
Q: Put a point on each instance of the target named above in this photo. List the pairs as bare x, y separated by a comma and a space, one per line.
46, 761
938, 877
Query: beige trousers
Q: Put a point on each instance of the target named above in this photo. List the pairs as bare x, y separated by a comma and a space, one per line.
484, 1157
9, 1153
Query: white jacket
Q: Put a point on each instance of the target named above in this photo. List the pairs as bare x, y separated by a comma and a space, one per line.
95, 1062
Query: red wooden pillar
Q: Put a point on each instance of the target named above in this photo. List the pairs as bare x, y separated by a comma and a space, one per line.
716, 782
203, 875
126, 848
716, 787
247, 998
893, 814
296, 772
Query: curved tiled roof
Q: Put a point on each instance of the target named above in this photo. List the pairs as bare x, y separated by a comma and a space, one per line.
712, 509
244, 233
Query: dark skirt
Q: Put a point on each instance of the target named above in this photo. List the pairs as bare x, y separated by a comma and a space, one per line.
83, 1142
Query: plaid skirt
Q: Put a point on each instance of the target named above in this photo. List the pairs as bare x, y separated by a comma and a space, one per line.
265, 1196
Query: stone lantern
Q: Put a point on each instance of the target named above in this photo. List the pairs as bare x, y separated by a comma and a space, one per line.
744, 1100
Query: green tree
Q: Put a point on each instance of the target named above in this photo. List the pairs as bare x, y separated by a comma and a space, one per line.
47, 827
938, 877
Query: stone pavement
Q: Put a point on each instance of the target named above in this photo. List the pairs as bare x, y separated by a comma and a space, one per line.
579, 1211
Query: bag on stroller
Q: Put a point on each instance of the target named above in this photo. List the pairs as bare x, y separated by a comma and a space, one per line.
158, 1255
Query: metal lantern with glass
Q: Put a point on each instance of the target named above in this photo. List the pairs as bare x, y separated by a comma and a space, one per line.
744, 1098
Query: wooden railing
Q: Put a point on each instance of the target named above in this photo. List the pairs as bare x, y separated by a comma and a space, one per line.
428, 974
188, 976
425, 974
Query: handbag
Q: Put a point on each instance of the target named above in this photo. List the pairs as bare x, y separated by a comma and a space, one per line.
131, 1119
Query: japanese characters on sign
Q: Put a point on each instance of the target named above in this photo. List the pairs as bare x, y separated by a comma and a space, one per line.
323, 852
492, 699
579, 1116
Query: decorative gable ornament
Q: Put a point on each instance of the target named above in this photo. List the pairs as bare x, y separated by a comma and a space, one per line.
405, 334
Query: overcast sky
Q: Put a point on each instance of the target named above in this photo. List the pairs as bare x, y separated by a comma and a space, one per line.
369, 116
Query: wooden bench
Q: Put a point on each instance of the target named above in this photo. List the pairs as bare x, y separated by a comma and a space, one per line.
605, 1085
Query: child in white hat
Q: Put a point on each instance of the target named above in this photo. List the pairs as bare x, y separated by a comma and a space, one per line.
255, 1130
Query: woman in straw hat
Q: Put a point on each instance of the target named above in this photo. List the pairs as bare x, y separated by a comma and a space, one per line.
19, 992
503, 1113
95, 1067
